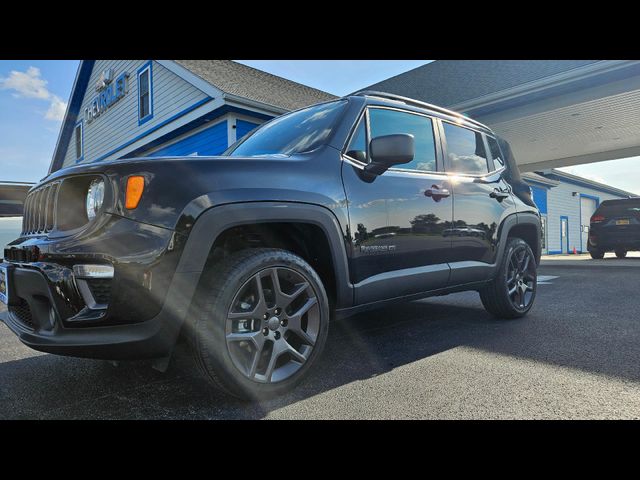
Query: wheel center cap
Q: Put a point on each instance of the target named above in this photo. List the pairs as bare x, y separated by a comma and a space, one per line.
273, 323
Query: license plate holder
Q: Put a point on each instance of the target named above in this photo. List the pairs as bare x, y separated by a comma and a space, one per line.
622, 221
5, 283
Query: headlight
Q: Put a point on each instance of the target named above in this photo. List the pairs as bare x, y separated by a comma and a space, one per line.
95, 197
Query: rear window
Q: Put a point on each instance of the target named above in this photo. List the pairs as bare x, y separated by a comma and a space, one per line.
610, 208
297, 132
465, 150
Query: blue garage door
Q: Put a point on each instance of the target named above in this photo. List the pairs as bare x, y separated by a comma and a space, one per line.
211, 141
540, 198
243, 127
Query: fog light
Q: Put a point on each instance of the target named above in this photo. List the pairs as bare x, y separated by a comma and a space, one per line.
93, 271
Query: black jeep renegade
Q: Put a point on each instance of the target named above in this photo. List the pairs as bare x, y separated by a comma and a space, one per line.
322, 212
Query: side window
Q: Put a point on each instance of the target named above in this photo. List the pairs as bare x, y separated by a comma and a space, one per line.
389, 122
145, 89
465, 150
358, 147
496, 155
79, 141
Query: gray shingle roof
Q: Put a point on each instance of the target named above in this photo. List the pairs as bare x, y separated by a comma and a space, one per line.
449, 82
241, 80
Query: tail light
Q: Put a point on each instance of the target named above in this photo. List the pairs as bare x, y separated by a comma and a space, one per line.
597, 219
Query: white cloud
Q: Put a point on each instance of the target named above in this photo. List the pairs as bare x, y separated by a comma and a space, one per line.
27, 84
56, 109
30, 84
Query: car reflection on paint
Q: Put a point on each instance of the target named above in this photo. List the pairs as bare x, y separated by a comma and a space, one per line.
464, 232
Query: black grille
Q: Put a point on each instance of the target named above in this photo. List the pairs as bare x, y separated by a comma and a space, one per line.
21, 254
23, 313
39, 210
100, 289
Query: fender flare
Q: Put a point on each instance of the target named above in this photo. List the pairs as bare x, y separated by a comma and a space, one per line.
517, 219
211, 223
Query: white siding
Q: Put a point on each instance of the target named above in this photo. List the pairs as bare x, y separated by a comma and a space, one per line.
561, 202
119, 124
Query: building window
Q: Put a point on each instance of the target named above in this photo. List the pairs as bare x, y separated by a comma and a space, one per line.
79, 140
145, 94
465, 150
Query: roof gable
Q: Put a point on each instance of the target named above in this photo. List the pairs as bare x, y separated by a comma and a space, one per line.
71, 114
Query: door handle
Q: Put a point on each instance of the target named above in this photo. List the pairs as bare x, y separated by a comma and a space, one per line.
437, 192
499, 194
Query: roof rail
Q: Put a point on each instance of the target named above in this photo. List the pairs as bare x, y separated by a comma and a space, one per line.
411, 101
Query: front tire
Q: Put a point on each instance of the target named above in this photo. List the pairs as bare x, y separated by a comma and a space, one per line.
512, 292
596, 254
621, 253
263, 321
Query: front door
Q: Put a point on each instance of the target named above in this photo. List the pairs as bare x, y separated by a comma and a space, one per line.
564, 234
482, 199
397, 219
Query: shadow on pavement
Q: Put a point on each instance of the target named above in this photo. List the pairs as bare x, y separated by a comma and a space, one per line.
562, 329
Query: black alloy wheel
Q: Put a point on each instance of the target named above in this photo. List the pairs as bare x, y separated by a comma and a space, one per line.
513, 290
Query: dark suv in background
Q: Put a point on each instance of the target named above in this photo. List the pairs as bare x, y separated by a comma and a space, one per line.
615, 226
320, 213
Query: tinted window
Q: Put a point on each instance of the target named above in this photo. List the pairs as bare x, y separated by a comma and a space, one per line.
612, 208
465, 150
496, 155
389, 122
296, 132
357, 149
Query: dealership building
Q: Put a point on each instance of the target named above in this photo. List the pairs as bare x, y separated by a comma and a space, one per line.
127, 108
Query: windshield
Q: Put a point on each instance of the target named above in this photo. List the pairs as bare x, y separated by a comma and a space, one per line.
297, 132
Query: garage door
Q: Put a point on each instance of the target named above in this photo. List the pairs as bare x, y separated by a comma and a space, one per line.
587, 207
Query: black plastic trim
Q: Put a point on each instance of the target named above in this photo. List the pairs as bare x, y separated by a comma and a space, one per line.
218, 219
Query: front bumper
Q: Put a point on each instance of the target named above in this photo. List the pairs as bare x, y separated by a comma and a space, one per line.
44, 330
130, 315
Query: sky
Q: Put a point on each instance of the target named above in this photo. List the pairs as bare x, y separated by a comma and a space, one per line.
34, 94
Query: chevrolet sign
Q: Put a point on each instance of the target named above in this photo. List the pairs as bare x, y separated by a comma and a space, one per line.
110, 91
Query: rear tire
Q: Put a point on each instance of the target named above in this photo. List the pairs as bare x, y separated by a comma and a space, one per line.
512, 292
621, 253
262, 321
596, 254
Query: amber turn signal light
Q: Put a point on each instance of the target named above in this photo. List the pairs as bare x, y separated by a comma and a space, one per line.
135, 187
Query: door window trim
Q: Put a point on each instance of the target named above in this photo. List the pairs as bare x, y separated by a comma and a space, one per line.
364, 116
504, 161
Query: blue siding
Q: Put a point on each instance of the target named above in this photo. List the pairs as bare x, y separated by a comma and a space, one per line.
243, 127
540, 198
211, 141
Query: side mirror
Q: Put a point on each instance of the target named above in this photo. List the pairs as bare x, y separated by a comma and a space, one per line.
389, 150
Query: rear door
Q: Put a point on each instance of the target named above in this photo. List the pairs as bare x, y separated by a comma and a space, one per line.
482, 199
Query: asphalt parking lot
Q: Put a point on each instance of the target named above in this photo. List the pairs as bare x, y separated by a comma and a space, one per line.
575, 356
